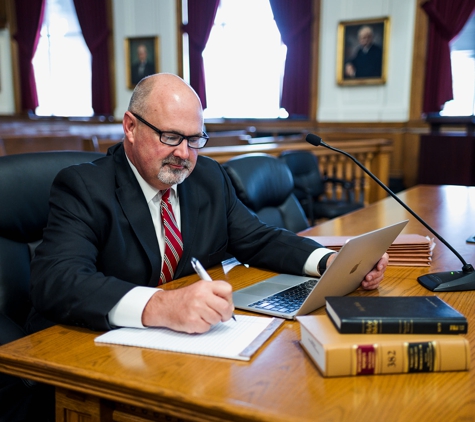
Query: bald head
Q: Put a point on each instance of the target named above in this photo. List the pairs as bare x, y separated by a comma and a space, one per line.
161, 92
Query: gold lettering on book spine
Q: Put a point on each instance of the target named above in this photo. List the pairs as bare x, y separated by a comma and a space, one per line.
372, 326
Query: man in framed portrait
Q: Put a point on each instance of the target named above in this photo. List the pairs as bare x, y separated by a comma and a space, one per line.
368, 59
143, 66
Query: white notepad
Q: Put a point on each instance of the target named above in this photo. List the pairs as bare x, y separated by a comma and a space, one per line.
238, 339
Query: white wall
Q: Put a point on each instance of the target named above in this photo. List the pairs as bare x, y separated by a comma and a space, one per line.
7, 101
376, 103
139, 18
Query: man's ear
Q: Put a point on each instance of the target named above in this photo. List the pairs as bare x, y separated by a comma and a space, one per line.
129, 124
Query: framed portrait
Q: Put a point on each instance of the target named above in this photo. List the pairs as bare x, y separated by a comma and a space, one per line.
362, 52
141, 57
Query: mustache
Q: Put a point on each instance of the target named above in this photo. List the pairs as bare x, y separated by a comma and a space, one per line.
177, 161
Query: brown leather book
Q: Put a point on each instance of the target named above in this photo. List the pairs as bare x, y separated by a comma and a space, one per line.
337, 354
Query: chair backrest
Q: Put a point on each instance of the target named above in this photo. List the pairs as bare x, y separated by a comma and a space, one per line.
264, 184
25, 182
305, 171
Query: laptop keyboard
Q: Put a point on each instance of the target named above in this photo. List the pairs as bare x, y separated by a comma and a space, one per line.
288, 300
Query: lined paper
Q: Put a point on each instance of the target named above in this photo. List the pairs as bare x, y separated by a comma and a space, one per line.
230, 339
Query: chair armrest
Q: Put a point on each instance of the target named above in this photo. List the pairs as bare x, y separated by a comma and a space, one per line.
346, 184
302, 187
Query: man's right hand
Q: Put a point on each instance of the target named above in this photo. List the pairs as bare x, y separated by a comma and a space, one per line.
350, 70
191, 309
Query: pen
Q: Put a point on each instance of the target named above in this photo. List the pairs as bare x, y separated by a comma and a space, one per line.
202, 273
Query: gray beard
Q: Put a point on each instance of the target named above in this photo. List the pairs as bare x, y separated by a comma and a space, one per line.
169, 176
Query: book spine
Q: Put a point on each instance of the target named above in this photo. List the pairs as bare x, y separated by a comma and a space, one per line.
387, 357
402, 326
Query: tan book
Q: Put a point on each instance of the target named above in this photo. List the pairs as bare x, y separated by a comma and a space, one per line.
338, 354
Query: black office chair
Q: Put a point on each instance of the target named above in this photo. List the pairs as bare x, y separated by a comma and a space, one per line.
310, 187
25, 182
265, 184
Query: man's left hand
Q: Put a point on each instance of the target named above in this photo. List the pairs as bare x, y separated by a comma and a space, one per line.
375, 276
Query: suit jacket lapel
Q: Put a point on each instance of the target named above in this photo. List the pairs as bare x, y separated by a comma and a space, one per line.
190, 220
132, 201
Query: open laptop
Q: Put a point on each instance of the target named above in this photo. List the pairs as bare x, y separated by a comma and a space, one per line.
355, 259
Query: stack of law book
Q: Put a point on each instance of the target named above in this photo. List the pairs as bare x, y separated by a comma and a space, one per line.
412, 250
366, 335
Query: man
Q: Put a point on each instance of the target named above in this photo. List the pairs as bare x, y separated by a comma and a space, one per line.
368, 60
100, 261
142, 67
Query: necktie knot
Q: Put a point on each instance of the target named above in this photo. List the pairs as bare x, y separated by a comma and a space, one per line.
166, 195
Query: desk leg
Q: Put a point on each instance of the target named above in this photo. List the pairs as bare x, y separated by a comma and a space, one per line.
78, 407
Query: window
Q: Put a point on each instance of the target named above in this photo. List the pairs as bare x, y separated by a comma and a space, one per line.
462, 56
244, 62
62, 64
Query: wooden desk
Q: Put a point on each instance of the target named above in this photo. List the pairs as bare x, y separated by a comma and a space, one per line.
280, 383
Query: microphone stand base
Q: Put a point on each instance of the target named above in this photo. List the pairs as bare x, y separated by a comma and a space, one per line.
448, 281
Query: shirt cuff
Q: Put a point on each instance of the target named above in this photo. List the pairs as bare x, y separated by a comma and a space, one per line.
311, 266
128, 311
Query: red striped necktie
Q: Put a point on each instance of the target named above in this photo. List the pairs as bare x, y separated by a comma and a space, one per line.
173, 241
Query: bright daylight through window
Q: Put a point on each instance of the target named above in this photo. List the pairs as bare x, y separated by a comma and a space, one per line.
462, 56
62, 64
244, 62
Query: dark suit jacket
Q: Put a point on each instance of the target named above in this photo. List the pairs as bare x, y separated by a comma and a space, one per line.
100, 241
369, 64
149, 69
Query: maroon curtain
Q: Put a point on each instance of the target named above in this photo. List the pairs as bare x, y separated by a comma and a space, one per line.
29, 14
446, 20
92, 16
294, 20
201, 16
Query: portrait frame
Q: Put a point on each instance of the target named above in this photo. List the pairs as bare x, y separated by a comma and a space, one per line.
131, 58
348, 45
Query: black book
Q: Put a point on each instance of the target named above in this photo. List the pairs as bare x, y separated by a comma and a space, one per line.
394, 315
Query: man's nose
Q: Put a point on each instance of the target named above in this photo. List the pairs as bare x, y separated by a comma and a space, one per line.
182, 150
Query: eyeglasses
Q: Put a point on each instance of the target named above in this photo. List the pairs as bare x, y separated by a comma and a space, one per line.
174, 139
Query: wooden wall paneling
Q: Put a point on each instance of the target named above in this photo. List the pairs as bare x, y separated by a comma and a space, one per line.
410, 158
418, 62
24, 144
314, 63
396, 164
411, 141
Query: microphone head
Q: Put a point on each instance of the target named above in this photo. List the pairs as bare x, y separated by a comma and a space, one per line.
313, 139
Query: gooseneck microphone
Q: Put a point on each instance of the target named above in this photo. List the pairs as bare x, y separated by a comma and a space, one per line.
448, 281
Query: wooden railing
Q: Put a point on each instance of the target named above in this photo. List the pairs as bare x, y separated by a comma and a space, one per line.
374, 154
